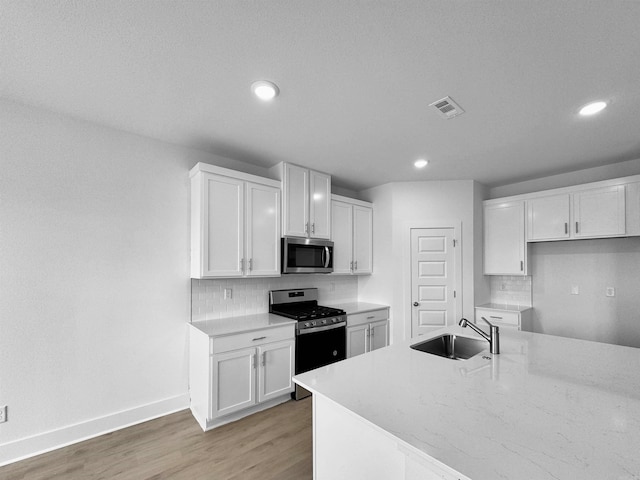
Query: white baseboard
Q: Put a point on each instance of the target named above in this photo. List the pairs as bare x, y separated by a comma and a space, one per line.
62, 437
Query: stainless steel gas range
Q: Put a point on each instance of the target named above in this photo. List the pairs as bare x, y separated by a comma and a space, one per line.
321, 332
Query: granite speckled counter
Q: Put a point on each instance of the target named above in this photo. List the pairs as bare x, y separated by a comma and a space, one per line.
247, 323
545, 408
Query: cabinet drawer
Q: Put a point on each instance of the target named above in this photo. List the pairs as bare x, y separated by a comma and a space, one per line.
498, 317
367, 317
251, 339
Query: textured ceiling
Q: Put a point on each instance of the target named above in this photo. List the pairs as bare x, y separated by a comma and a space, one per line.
356, 79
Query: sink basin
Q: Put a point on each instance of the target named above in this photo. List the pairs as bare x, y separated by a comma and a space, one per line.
452, 346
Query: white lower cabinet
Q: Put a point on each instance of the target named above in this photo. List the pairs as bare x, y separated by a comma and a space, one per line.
367, 332
516, 318
245, 373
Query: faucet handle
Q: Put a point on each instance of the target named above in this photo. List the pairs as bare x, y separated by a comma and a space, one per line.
489, 323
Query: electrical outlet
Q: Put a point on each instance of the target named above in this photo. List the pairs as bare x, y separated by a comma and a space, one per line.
3, 414
228, 293
610, 292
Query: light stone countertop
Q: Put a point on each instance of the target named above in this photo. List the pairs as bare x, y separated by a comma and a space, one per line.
505, 307
545, 408
247, 323
358, 307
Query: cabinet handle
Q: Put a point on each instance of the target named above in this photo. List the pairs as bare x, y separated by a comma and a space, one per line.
355, 265
259, 338
250, 264
306, 228
373, 332
521, 266
242, 264
253, 361
566, 228
492, 316
372, 316
264, 358
351, 265
576, 227
415, 304
313, 228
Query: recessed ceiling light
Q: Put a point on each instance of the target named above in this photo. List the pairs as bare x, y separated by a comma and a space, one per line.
265, 90
593, 108
421, 163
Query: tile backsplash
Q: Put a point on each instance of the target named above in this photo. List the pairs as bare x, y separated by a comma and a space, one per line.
511, 290
250, 295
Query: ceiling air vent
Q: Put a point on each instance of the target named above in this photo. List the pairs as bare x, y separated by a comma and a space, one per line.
447, 108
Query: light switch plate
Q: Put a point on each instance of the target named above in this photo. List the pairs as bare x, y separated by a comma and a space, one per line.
228, 293
3, 413
575, 290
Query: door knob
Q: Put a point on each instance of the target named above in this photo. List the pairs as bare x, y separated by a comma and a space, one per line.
415, 304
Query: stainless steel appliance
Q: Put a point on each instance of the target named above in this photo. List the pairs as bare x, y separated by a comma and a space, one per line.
306, 255
321, 332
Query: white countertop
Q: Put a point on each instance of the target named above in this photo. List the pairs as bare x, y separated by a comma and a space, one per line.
505, 307
358, 307
247, 323
545, 408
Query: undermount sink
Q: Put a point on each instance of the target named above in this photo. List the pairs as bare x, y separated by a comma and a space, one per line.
450, 346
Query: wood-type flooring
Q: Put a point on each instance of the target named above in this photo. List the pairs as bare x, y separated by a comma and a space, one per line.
272, 444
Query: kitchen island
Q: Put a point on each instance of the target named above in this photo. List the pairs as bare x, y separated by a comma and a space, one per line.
545, 408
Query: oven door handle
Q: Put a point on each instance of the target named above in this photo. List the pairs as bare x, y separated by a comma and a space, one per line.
321, 328
327, 257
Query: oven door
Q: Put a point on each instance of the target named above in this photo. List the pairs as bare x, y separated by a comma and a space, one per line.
319, 348
306, 255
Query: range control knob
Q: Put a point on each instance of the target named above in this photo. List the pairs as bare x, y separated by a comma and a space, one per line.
324, 322
306, 324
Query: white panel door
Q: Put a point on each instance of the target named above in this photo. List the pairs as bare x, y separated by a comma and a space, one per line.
342, 236
548, 218
234, 381
357, 339
224, 231
295, 201
433, 279
599, 212
276, 370
320, 205
362, 240
263, 230
504, 239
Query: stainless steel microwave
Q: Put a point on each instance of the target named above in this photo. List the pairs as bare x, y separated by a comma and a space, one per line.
306, 255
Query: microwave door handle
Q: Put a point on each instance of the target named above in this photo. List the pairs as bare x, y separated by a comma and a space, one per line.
327, 257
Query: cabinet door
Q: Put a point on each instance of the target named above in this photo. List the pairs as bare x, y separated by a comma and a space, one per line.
276, 370
342, 236
599, 212
362, 240
263, 230
320, 205
295, 201
223, 226
379, 335
548, 218
504, 240
357, 340
632, 208
234, 381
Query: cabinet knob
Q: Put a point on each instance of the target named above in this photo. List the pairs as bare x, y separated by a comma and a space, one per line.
415, 304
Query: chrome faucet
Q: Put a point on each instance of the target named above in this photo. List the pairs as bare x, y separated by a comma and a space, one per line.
493, 338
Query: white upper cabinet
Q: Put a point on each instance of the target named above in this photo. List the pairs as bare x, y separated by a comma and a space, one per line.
599, 212
548, 218
306, 202
504, 239
235, 224
632, 207
352, 235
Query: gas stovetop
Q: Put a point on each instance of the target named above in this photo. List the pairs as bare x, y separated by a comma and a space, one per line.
302, 305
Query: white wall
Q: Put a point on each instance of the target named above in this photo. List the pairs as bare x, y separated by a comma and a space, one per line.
94, 277
430, 203
621, 169
592, 266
